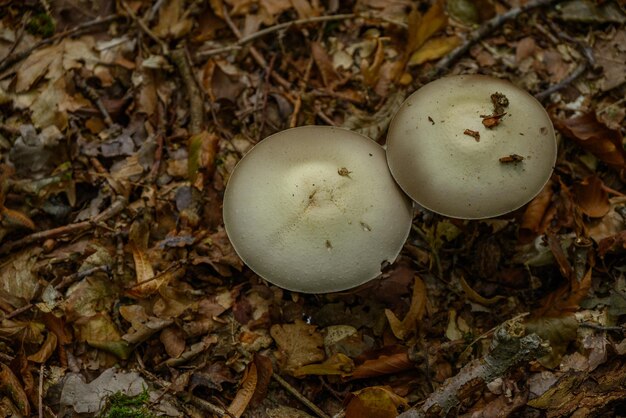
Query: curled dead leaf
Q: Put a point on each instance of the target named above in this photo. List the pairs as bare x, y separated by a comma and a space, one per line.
338, 364
11, 385
385, 364
592, 197
375, 402
433, 49
408, 326
239, 405
594, 136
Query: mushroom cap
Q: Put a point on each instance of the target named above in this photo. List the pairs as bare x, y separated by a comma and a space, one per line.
314, 209
452, 173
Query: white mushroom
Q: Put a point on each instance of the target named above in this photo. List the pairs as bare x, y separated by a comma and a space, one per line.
314, 209
458, 151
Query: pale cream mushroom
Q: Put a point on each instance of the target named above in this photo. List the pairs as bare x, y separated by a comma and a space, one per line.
461, 153
314, 209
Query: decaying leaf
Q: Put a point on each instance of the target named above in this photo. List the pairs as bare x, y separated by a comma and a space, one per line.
336, 365
375, 402
591, 197
10, 385
594, 136
244, 394
299, 344
423, 27
433, 49
324, 64
408, 326
385, 364
46, 350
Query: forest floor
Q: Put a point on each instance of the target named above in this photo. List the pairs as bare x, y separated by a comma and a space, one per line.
121, 296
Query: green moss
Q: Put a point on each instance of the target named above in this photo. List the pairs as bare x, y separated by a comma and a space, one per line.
120, 405
41, 24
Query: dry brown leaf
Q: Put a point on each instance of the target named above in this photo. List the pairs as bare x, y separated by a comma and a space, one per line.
202, 151
566, 299
298, 344
11, 385
143, 269
408, 326
173, 339
264, 371
173, 20
434, 49
422, 28
304, 9
239, 405
371, 72
559, 255
375, 402
594, 136
36, 66
612, 243
384, 364
338, 364
591, 197
46, 350
535, 213
474, 296
324, 64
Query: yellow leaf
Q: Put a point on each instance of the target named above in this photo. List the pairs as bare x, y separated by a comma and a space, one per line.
244, 394
143, 267
422, 28
402, 329
474, 296
371, 73
375, 402
434, 49
338, 364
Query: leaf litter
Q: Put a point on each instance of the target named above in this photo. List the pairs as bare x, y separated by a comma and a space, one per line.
119, 130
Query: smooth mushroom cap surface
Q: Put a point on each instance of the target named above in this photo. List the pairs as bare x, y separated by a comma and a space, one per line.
314, 209
445, 159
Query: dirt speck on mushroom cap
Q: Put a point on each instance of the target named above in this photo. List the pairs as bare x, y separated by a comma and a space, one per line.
441, 170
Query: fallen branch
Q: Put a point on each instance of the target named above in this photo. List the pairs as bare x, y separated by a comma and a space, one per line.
483, 31
299, 396
116, 207
510, 346
286, 25
196, 104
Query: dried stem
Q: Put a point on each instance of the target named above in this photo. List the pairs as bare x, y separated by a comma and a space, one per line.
256, 35
299, 396
196, 104
116, 207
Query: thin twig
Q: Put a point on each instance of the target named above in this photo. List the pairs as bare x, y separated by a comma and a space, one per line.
483, 31
40, 391
196, 104
256, 35
563, 83
74, 277
142, 25
286, 25
299, 396
94, 97
258, 57
116, 207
